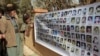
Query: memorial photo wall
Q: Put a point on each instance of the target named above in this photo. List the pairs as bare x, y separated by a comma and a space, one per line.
75, 30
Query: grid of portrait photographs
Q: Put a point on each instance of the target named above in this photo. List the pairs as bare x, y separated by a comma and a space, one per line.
75, 30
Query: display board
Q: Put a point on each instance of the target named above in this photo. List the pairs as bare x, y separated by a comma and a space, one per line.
70, 32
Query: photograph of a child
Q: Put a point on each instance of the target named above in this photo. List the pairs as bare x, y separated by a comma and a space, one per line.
84, 11
89, 38
76, 28
83, 20
78, 36
78, 43
83, 37
89, 47
98, 9
96, 40
77, 20
96, 30
95, 48
89, 29
91, 10
73, 20
83, 45
90, 20
77, 51
97, 20
82, 29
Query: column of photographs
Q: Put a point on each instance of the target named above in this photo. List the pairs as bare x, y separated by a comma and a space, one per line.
75, 30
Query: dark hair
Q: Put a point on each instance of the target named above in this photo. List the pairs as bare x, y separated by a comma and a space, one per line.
25, 17
11, 8
1, 11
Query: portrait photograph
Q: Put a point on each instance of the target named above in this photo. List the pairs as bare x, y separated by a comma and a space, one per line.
83, 20
90, 20
98, 10
68, 20
96, 40
91, 10
89, 47
73, 42
68, 27
96, 30
78, 43
64, 27
89, 29
83, 37
77, 51
61, 40
72, 28
65, 34
77, 36
68, 35
76, 28
69, 40
79, 11
97, 20
84, 11
73, 20
82, 29
74, 12
82, 52
78, 20
72, 49
73, 35
96, 49
68, 48
89, 38
83, 45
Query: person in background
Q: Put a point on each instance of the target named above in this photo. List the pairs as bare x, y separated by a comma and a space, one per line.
29, 25
3, 51
14, 44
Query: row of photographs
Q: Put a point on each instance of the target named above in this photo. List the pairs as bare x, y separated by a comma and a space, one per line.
86, 10
71, 28
74, 20
66, 45
73, 38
